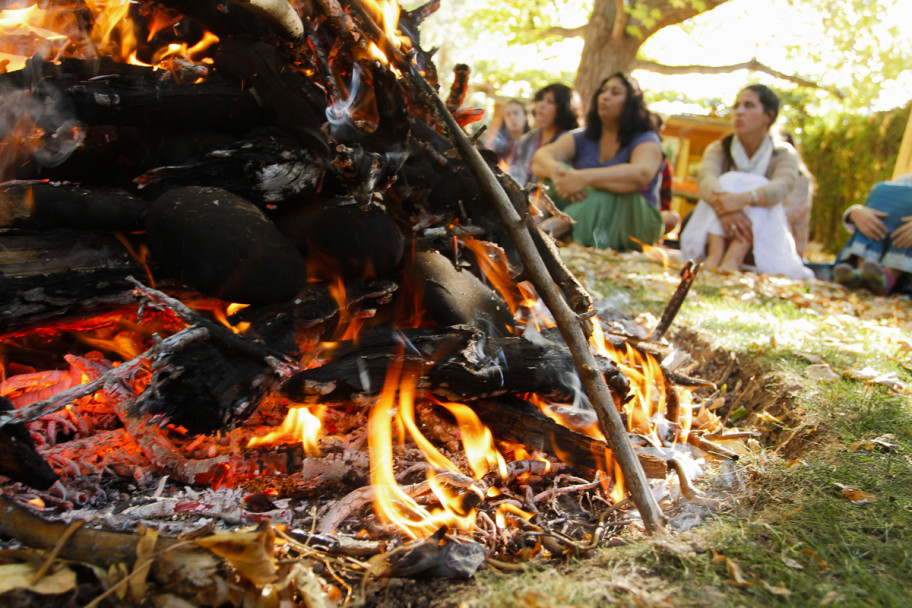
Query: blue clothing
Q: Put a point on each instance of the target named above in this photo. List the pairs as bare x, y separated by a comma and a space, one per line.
587, 157
896, 200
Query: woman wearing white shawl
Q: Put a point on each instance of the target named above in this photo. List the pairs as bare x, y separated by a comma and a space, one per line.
743, 180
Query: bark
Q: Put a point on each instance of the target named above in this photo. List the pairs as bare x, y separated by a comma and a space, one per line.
613, 39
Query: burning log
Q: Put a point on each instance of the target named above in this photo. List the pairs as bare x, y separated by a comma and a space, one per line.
521, 422
460, 363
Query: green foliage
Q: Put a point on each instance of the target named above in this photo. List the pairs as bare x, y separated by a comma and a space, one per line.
848, 155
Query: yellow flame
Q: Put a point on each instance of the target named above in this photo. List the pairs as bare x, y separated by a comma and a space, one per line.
221, 315
390, 502
300, 424
504, 509
477, 441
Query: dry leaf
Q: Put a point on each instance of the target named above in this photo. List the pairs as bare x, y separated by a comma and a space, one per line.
734, 570
250, 553
830, 598
19, 576
144, 550
782, 591
821, 372
858, 497
791, 563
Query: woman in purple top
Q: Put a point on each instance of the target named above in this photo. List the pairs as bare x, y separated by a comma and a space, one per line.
606, 176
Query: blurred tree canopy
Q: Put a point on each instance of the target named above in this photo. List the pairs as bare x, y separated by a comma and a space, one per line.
854, 40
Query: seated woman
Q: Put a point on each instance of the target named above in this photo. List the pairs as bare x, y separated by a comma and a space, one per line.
743, 179
514, 124
879, 253
554, 115
605, 176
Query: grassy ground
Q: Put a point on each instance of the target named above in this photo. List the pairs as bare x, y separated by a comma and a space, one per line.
819, 510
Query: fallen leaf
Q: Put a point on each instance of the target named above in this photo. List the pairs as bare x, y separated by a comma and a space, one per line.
856, 496
791, 563
781, 591
734, 570
144, 550
249, 552
19, 576
861, 445
810, 357
821, 372
830, 598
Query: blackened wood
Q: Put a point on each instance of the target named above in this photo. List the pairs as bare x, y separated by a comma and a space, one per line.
688, 274
265, 167
521, 422
18, 459
456, 297
45, 205
213, 104
345, 239
223, 245
458, 363
51, 276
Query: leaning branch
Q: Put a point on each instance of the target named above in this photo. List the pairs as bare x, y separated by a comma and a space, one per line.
752, 65
567, 321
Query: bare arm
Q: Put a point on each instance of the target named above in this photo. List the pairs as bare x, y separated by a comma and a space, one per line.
552, 157
551, 161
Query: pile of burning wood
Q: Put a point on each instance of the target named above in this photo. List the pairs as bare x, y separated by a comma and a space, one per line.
256, 273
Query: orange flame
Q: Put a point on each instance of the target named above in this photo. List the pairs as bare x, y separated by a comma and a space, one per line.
300, 424
396, 405
53, 29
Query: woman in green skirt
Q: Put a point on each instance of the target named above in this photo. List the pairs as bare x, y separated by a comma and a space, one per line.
606, 175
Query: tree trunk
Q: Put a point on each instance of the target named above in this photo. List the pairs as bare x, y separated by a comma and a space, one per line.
608, 49
614, 36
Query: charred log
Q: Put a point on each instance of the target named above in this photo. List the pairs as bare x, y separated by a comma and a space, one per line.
265, 167
18, 458
456, 297
345, 239
519, 421
44, 205
224, 246
460, 363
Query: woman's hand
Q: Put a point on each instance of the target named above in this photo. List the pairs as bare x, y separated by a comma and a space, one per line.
569, 184
902, 236
728, 202
867, 220
737, 226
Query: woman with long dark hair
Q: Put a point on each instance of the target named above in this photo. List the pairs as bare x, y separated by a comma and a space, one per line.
605, 176
743, 180
554, 115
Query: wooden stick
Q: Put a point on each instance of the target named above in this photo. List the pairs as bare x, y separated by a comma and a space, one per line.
688, 274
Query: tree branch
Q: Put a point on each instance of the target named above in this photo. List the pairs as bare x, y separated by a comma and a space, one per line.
565, 32
752, 65
620, 20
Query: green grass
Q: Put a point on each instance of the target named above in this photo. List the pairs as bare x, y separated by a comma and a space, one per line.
797, 540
